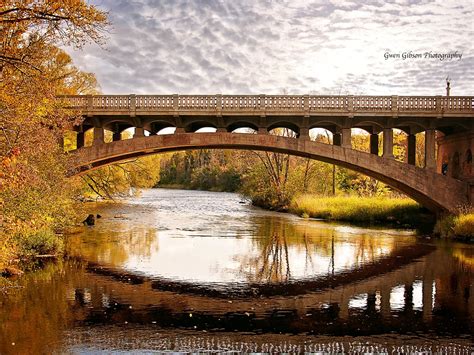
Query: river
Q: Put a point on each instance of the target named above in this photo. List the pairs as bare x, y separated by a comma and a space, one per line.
202, 271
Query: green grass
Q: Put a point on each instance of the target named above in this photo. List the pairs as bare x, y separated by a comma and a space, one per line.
372, 210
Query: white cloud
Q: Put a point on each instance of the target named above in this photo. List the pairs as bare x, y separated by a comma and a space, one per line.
269, 46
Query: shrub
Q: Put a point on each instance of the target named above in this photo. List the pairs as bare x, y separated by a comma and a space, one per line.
444, 226
464, 225
41, 242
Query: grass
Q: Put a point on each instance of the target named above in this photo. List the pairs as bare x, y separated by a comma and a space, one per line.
39, 243
459, 227
464, 225
373, 210
25, 247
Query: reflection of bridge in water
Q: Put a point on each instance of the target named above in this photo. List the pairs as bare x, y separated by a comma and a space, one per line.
405, 296
445, 119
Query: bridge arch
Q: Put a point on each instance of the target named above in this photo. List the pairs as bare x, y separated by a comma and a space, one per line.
435, 191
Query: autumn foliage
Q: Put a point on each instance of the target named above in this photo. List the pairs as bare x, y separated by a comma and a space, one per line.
34, 193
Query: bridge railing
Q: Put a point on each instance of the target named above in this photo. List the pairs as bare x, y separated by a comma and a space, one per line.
325, 103
248, 102
153, 102
292, 103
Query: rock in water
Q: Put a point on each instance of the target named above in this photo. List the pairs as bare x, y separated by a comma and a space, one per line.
90, 220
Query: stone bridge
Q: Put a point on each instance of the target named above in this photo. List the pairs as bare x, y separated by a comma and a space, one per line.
445, 182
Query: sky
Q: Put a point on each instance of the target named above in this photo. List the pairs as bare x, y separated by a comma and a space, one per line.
284, 47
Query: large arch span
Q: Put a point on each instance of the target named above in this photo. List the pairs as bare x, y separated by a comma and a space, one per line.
437, 192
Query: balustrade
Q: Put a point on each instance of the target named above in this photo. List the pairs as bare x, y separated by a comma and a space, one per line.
284, 102
197, 102
339, 103
295, 103
240, 102
111, 101
153, 102
417, 103
372, 103
457, 103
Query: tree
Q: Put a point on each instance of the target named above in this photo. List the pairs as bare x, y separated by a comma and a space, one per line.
34, 193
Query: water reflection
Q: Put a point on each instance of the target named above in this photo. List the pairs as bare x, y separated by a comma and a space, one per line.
239, 285
166, 236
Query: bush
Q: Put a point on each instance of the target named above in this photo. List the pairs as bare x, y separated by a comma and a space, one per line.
40, 243
464, 225
444, 226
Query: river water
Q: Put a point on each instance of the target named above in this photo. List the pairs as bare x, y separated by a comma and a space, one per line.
176, 270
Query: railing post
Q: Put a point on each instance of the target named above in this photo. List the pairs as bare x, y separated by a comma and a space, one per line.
394, 104
438, 107
219, 104
350, 103
306, 104
133, 105
262, 104
176, 102
89, 105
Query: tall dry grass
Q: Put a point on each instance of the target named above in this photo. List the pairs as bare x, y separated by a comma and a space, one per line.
358, 209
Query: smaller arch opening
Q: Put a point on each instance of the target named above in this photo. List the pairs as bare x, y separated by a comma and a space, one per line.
360, 139
127, 133
161, 127
400, 145
206, 130
166, 130
242, 127
200, 127
284, 129
88, 136
283, 132
245, 130
321, 135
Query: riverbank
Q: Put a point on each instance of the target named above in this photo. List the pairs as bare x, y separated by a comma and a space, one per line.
23, 250
460, 227
402, 212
